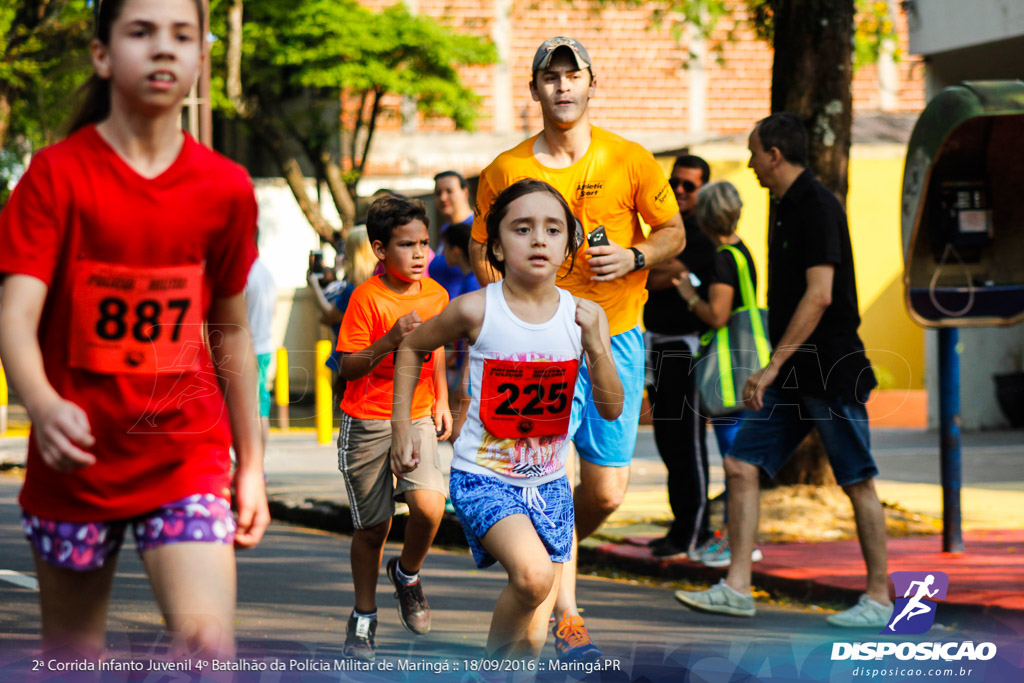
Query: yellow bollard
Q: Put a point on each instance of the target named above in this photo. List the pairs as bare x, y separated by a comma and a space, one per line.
324, 393
281, 396
3, 401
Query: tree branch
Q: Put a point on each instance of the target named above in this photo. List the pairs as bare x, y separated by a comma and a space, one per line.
292, 173
354, 142
377, 95
233, 55
343, 200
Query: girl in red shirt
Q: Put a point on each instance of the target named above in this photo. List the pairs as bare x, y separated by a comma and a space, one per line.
124, 251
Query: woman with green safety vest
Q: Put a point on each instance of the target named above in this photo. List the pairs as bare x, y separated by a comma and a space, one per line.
718, 210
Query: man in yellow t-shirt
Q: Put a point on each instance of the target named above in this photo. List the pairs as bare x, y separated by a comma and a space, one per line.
607, 181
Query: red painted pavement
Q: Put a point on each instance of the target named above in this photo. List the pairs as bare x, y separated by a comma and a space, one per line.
990, 573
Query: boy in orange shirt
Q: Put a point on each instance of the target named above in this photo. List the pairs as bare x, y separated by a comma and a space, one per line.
381, 312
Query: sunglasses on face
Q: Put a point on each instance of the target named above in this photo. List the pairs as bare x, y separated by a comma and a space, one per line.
688, 185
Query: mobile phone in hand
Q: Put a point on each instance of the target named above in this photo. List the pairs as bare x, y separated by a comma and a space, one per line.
597, 237
316, 261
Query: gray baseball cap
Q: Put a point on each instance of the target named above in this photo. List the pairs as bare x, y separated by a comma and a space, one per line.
544, 53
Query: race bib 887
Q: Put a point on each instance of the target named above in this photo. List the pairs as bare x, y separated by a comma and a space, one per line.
136, 319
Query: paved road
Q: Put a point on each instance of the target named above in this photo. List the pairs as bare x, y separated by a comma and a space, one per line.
295, 594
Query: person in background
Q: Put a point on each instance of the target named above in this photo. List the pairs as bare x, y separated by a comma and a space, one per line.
332, 294
718, 210
260, 301
819, 375
455, 273
451, 194
673, 331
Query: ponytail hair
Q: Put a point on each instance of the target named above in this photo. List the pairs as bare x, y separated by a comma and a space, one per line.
93, 97
92, 103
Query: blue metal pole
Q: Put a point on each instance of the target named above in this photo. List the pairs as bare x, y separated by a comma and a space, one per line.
949, 445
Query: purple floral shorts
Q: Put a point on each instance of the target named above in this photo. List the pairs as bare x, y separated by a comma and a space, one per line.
84, 546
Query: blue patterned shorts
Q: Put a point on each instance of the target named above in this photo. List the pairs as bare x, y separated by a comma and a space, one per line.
480, 501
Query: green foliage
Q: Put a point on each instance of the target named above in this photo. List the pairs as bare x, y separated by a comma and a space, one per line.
874, 23
319, 51
43, 59
874, 28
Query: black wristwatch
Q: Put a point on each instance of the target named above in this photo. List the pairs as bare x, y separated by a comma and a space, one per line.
638, 258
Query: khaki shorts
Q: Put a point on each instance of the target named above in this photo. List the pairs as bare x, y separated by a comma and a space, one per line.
363, 447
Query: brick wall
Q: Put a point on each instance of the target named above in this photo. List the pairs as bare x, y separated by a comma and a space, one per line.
643, 82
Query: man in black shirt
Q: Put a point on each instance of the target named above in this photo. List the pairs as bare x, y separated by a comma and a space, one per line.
818, 377
673, 333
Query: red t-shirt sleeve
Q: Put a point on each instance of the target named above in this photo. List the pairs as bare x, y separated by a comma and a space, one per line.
30, 230
233, 250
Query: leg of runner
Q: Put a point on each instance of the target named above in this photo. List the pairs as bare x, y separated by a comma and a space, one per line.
74, 608
599, 493
526, 599
195, 586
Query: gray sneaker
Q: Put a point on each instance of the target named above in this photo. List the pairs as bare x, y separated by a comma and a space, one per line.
359, 638
865, 614
719, 599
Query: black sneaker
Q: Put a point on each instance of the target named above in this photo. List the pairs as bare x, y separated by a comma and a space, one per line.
359, 638
668, 550
413, 609
655, 542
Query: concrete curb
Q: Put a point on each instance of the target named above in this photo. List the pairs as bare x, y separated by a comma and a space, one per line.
328, 516
332, 517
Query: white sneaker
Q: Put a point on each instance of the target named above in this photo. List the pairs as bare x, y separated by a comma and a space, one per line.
865, 614
719, 599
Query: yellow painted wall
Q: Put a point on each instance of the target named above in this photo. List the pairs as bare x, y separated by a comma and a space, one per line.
894, 343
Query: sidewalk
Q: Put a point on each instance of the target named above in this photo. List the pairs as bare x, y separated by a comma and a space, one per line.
305, 488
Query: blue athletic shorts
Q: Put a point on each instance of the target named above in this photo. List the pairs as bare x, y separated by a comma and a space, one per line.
769, 436
611, 444
481, 501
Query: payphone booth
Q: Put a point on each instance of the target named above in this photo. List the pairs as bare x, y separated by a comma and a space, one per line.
963, 238
963, 208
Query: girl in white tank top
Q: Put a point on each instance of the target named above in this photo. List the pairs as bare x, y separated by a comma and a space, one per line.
526, 337
517, 428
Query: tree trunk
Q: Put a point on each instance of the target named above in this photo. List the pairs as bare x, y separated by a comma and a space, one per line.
5, 116
812, 77
269, 134
297, 182
233, 84
343, 200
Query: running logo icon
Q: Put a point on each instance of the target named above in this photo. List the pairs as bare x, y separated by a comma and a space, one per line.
914, 612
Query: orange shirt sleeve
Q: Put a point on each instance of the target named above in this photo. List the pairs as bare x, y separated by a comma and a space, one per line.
356, 331
653, 197
485, 194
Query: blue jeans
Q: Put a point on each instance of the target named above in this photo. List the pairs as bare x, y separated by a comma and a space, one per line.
770, 435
